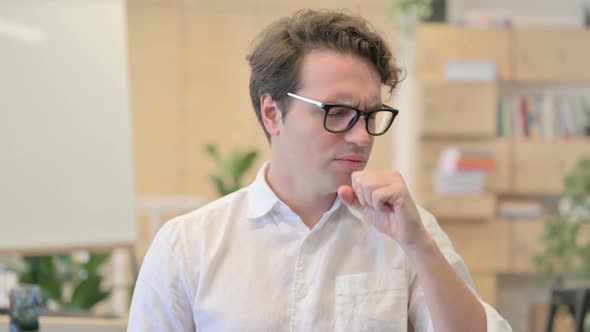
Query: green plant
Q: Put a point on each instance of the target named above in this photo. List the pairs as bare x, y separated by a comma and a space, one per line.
55, 274
231, 170
422, 8
406, 14
567, 252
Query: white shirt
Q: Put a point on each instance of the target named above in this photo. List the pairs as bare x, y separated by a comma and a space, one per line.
246, 262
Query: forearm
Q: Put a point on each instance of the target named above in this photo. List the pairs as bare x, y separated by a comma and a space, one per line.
453, 307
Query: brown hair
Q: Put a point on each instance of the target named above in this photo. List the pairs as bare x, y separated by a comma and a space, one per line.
278, 51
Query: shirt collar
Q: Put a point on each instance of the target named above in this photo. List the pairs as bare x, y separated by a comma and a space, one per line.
354, 212
261, 199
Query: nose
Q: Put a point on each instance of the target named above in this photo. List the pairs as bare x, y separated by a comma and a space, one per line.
358, 134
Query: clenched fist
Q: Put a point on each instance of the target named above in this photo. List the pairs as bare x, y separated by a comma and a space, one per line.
385, 202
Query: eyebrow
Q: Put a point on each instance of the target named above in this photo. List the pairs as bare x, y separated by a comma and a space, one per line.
321, 104
375, 107
348, 102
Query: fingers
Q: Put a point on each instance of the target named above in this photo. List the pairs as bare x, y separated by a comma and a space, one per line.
347, 195
379, 191
363, 185
382, 198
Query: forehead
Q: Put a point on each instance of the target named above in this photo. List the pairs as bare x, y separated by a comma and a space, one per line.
326, 73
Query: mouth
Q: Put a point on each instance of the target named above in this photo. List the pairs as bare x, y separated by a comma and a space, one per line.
353, 158
352, 162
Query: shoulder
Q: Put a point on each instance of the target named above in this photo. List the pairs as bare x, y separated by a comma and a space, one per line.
213, 214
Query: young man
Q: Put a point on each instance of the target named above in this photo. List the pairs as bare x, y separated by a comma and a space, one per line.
314, 243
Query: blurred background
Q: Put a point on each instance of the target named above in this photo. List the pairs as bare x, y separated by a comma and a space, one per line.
117, 115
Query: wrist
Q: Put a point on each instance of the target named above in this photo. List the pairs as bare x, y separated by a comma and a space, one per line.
423, 248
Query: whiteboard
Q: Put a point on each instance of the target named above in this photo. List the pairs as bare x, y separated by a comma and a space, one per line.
66, 173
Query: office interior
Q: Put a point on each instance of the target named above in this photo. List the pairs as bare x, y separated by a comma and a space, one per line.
115, 115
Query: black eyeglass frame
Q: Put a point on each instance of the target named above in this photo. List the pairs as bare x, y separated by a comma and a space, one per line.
366, 114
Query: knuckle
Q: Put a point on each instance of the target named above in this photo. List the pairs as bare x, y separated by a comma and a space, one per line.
355, 175
376, 196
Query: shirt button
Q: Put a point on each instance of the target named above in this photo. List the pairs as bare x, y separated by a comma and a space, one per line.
303, 291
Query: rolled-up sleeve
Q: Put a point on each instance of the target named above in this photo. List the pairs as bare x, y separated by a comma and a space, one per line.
419, 316
495, 322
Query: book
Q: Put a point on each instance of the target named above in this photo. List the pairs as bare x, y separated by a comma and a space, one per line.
520, 209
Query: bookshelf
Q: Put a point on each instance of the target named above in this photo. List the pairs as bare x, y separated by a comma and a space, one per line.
535, 67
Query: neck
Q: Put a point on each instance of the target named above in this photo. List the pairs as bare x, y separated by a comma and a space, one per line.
299, 196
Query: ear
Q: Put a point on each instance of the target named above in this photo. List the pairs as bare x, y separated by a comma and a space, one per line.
271, 114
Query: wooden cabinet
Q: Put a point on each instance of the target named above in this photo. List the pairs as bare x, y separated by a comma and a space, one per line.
525, 244
526, 55
498, 180
465, 115
154, 76
461, 208
438, 43
486, 285
459, 109
551, 55
485, 247
540, 166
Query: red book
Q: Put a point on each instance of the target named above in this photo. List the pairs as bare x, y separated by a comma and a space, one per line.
473, 164
524, 117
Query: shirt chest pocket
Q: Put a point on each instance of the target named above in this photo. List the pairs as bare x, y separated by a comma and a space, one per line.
375, 301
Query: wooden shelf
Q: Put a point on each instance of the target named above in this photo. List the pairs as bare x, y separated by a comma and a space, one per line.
540, 166
461, 208
460, 109
436, 43
498, 180
465, 115
485, 247
565, 61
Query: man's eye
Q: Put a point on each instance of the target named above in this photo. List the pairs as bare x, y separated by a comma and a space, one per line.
340, 112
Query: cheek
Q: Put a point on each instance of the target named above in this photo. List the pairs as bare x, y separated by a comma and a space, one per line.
313, 123
324, 145
309, 132
310, 140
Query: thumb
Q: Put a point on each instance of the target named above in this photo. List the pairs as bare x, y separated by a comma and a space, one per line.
346, 194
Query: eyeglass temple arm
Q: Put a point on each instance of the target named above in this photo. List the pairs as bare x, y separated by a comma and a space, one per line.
307, 100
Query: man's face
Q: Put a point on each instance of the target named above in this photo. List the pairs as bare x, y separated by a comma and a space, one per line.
326, 159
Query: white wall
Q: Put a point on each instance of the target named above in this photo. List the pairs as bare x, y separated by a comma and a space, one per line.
534, 12
66, 175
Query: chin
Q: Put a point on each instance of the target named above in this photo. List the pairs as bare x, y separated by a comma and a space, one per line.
343, 179
337, 176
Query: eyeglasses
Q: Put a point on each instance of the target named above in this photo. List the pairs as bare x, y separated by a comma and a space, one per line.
340, 118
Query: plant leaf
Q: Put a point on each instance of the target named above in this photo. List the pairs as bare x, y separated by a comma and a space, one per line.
246, 163
87, 293
234, 162
49, 278
232, 170
95, 261
214, 153
219, 185
67, 268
